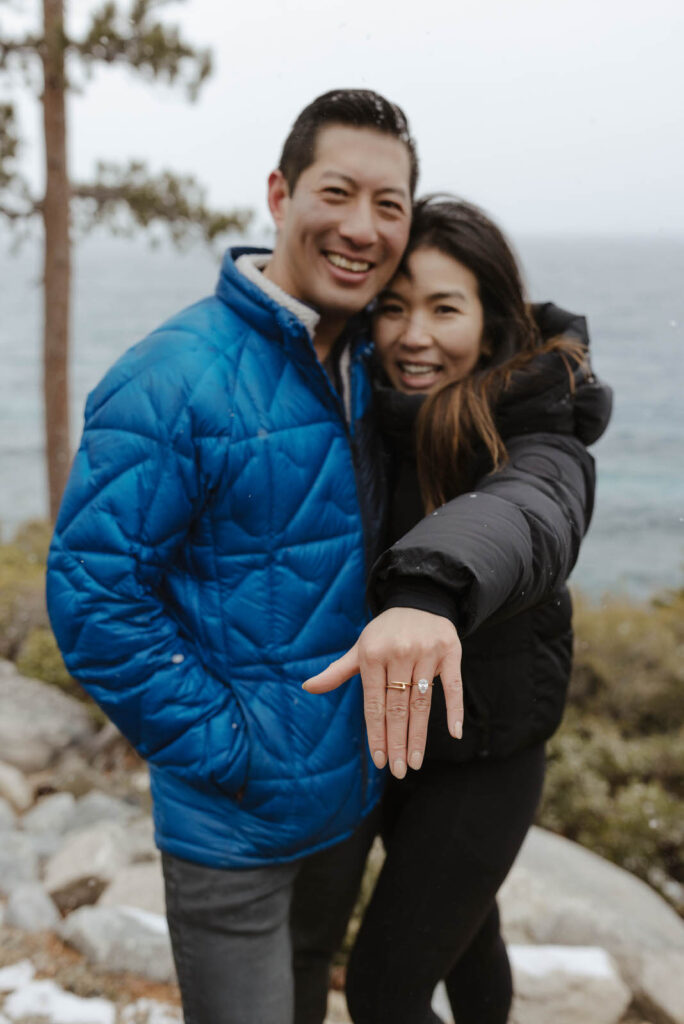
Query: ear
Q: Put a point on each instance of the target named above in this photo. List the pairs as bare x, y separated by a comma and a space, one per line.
278, 197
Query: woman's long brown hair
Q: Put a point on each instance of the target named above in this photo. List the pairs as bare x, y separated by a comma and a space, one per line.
459, 418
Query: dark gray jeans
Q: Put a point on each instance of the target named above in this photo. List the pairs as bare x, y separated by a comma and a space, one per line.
255, 946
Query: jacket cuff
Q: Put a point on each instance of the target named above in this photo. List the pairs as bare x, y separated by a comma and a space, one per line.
407, 592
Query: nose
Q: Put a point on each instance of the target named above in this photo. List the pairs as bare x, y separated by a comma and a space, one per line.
415, 334
358, 226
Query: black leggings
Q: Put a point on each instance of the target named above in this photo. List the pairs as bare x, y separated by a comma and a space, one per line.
452, 832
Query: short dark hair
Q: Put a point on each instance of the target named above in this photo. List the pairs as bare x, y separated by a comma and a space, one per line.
356, 108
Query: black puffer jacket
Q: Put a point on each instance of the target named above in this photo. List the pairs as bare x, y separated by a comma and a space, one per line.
496, 558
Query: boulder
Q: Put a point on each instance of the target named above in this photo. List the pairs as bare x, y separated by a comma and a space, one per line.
140, 841
8, 818
38, 721
18, 861
72, 774
337, 1012
661, 989
558, 893
46, 1000
84, 865
95, 807
138, 885
16, 975
30, 908
13, 786
566, 985
53, 814
148, 1011
122, 939
441, 1005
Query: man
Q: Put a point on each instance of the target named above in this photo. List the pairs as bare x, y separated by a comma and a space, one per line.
209, 556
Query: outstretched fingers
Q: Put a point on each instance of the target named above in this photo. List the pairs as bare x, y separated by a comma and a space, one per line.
452, 684
374, 708
335, 674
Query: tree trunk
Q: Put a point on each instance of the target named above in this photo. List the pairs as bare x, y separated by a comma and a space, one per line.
57, 279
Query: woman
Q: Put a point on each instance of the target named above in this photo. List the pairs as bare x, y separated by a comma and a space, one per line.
500, 438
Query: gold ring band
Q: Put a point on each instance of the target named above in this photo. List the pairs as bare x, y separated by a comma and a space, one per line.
398, 686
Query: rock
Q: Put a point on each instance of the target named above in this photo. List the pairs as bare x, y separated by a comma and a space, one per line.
13, 786
18, 861
29, 907
83, 866
122, 939
661, 991
16, 975
44, 999
73, 774
8, 818
139, 885
140, 841
441, 1005
148, 1011
38, 721
95, 807
558, 893
337, 1012
566, 985
53, 814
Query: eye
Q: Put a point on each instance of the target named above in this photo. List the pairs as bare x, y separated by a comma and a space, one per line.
389, 308
335, 192
391, 206
445, 310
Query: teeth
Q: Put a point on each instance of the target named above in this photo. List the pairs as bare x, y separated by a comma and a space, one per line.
358, 266
417, 370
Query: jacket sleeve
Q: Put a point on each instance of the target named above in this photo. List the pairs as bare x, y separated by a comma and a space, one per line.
133, 493
501, 548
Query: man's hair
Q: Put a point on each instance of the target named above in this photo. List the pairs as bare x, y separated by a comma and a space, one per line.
354, 108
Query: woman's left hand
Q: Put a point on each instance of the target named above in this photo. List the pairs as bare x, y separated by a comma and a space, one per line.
401, 645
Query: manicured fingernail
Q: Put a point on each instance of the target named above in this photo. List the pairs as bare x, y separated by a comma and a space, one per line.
379, 758
399, 769
416, 759
457, 730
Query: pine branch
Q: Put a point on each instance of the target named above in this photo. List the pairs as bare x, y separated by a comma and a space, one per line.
139, 41
29, 46
16, 202
129, 198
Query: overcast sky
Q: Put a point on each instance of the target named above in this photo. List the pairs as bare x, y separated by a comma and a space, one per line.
555, 115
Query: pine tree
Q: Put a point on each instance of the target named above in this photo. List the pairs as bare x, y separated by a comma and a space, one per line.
137, 40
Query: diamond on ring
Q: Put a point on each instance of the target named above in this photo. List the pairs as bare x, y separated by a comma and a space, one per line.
423, 686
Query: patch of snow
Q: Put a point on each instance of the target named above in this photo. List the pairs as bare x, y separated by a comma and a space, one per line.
45, 999
16, 975
540, 960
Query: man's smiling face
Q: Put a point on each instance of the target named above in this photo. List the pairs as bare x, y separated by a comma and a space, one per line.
342, 231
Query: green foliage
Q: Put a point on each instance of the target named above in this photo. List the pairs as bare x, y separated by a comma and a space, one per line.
22, 571
147, 45
126, 198
39, 657
629, 665
615, 779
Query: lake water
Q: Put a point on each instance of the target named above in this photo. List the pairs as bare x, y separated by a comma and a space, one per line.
632, 291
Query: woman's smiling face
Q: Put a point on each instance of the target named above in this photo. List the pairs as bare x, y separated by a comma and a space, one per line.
429, 322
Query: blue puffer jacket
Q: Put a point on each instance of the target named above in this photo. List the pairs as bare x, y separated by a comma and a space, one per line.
208, 557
